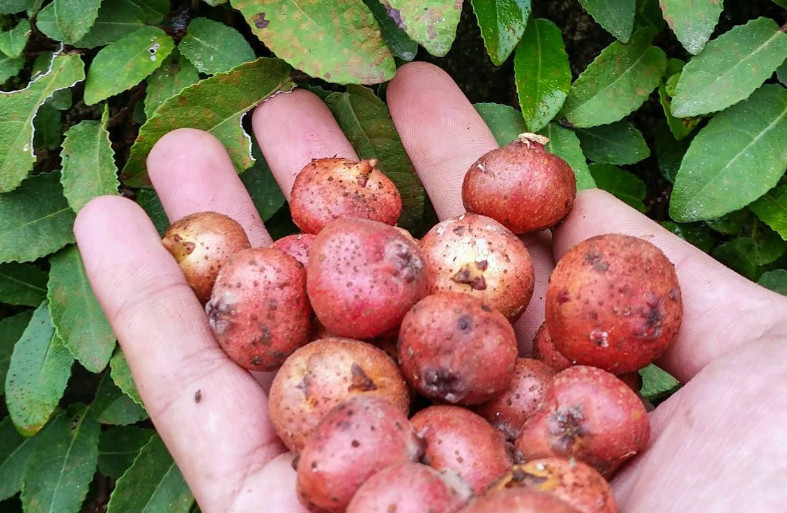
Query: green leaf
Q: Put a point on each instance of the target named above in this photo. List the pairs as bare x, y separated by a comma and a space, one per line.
781, 73
13, 41
11, 329
740, 254
656, 382
398, 41
114, 407
35, 219
262, 186
37, 375
118, 18
505, 122
151, 204
213, 47
118, 448
730, 68
88, 164
649, 15
542, 73
216, 105
337, 41
697, 234
616, 83
735, 159
17, 110
430, 23
9, 67
121, 375
14, 452
61, 100
771, 208
692, 22
565, 144
153, 483
48, 126
669, 151
733, 223
75, 17
618, 143
78, 318
615, 16
623, 184
176, 74
22, 284
62, 463
124, 63
15, 6
502, 24
365, 120
680, 127
774, 280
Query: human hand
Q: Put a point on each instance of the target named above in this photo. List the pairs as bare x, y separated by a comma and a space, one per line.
717, 444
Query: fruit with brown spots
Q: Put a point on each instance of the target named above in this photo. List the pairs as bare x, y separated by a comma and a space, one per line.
363, 277
331, 188
456, 349
297, 245
569, 480
509, 410
201, 244
587, 414
354, 440
477, 255
259, 310
521, 185
613, 302
411, 488
544, 350
325, 373
458, 439
518, 500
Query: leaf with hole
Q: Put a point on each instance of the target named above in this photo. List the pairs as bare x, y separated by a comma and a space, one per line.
502, 24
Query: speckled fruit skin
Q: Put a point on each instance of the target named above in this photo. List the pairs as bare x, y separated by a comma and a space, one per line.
518, 500
613, 302
201, 244
331, 188
544, 350
296, 245
509, 409
363, 276
569, 480
259, 311
456, 349
588, 414
325, 373
356, 439
458, 439
411, 488
521, 185
477, 255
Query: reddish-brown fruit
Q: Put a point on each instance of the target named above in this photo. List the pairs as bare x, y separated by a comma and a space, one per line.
569, 480
332, 188
363, 277
201, 244
544, 350
296, 245
353, 441
477, 255
518, 500
590, 415
455, 348
458, 439
613, 302
509, 410
325, 373
259, 311
411, 488
521, 185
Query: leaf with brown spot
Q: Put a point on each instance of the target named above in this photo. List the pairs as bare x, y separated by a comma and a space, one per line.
430, 23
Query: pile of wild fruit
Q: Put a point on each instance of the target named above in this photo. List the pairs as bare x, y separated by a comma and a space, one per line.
359, 319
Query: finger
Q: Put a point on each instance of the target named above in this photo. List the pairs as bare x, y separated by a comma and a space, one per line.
294, 128
211, 414
443, 135
192, 172
721, 309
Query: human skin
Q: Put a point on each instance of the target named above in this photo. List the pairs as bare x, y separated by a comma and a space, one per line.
731, 348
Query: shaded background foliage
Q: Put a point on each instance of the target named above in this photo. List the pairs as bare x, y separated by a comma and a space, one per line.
87, 86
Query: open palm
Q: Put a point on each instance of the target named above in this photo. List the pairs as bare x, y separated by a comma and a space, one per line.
719, 444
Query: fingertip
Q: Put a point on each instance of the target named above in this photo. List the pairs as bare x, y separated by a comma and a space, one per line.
105, 214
